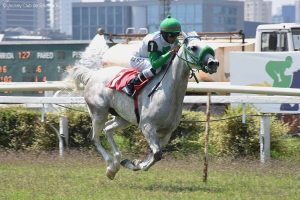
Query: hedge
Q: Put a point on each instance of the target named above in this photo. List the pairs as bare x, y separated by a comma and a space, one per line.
22, 129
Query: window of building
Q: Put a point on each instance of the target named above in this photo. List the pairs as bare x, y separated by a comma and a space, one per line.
188, 28
198, 14
217, 10
180, 13
127, 16
119, 15
101, 16
76, 33
85, 34
76, 16
85, 16
93, 16
110, 16
232, 11
110, 29
173, 10
18, 17
153, 28
19, 12
20, 23
119, 30
153, 14
93, 31
218, 20
230, 20
198, 28
190, 14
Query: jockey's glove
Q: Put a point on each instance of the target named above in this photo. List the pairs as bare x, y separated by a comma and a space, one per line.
175, 49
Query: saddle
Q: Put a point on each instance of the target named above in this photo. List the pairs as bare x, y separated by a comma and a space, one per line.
122, 79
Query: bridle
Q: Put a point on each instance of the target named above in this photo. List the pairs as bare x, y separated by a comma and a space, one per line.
190, 58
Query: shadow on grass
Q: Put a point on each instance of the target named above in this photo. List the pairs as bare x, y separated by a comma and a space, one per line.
173, 188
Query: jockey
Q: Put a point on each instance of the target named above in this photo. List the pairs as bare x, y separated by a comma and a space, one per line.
156, 50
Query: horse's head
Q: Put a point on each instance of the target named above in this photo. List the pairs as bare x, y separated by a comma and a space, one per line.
197, 55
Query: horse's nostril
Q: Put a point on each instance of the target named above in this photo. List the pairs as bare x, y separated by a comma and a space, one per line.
194, 48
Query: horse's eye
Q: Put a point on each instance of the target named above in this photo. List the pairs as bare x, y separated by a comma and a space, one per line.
194, 48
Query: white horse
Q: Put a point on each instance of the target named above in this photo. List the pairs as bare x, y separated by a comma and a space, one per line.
159, 114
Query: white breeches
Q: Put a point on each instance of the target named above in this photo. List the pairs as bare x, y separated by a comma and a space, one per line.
143, 65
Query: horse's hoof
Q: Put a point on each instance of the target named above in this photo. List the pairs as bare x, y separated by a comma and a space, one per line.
110, 174
130, 165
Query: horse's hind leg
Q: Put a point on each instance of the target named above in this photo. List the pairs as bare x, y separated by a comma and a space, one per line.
111, 126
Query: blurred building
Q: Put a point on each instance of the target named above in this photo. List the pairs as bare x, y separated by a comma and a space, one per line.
250, 28
276, 19
289, 13
116, 16
297, 4
258, 11
28, 14
61, 11
87, 17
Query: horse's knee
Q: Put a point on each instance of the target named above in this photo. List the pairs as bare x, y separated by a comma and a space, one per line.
158, 156
117, 156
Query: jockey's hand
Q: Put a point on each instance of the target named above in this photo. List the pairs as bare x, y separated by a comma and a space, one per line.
175, 49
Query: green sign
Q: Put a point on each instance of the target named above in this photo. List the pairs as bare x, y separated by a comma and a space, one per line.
38, 61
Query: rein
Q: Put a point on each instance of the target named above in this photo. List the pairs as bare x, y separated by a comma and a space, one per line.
190, 68
159, 82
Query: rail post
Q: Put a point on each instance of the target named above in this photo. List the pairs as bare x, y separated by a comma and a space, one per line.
207, 129
264, 139
63, 134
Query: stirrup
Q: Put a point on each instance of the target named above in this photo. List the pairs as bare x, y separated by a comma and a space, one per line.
128, 91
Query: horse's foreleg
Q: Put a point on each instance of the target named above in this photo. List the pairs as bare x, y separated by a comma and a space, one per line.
155, 154
155, 147
153, 141
98, 125
110, 127
136, 165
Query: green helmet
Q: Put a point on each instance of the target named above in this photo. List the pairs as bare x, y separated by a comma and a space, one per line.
170, 25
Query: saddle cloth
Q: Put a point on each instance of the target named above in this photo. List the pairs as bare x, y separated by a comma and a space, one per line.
123, 77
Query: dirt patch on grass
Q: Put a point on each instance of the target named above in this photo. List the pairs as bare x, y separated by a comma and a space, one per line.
192, 162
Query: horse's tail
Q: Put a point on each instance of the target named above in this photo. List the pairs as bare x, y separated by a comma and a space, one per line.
90, 59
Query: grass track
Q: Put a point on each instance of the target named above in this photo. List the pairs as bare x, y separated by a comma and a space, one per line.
82, 176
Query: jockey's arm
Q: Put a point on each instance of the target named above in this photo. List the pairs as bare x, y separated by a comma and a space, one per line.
158, 60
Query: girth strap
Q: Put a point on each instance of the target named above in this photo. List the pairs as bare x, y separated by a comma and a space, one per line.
136, 108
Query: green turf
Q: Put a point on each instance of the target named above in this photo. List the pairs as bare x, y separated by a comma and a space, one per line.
82, 176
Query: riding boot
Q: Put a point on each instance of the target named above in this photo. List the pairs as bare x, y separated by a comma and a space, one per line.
129, 88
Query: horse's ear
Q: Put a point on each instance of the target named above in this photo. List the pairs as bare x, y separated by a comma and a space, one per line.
184, 35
